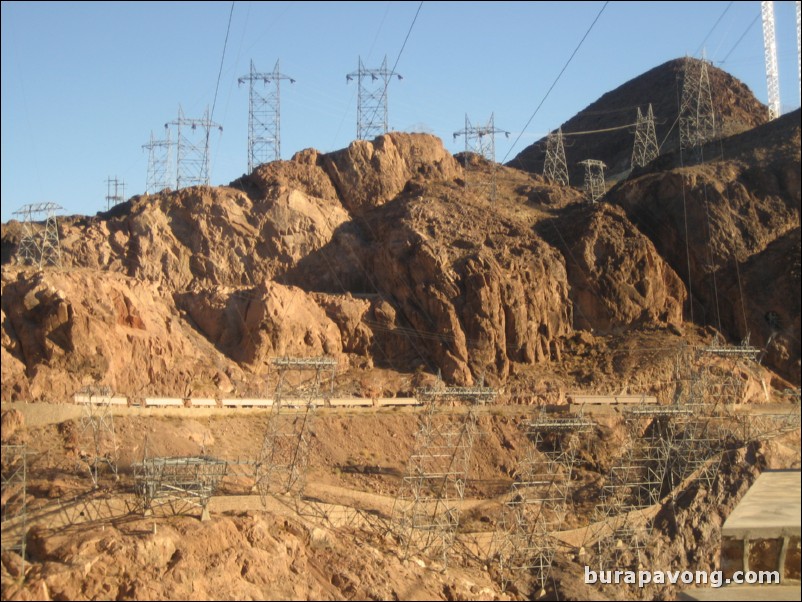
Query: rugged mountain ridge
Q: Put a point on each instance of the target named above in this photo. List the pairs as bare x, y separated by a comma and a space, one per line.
387, 255
605, 135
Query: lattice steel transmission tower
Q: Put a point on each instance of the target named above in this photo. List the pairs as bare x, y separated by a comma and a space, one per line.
645, 149
192, 148
668, 446
14, 472
555, 167
264, 115
115, 192
371, 104
481, 140
40, 244
770, 52
594, 179
697, 123
282, 461
636, 483
539, 497
426, 511
97, 437
178, 483
159, 176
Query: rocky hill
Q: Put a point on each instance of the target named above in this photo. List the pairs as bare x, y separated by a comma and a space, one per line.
735, 107
393, 257
388, 256
380, 253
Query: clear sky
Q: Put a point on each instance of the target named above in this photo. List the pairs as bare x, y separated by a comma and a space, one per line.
84, 84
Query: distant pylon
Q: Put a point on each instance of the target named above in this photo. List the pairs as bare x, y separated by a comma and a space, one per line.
697, 122
770, 50
115, 192
192, 154
645, 149
481, 140
594, 179
159, 153
371, 104
555, 168
264, 115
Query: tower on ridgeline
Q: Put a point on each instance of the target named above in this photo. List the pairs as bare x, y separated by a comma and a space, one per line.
115, 192
264, 115
481, 140
159, 175
697, 123
371, 104
192, 148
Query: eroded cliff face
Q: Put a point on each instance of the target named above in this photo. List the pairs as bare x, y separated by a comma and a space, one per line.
484, 291
368, 174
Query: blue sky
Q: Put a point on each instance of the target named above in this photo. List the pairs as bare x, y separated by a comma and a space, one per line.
84, 84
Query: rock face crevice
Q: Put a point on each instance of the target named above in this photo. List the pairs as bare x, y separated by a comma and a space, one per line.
618, 279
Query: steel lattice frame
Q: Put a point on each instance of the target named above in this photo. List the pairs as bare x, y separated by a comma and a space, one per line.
481, 140
371, 105
192, 148
555, 167
645, 149
264, 115
159, 175
282, 462
115, 192
594, 179
539, 498
98, 441
770, 52
697, 123
667, 445
179, 483
636, 482
40, 244
14, 471
426, 512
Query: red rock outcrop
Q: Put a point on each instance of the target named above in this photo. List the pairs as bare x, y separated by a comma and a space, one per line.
66, 330
368, 174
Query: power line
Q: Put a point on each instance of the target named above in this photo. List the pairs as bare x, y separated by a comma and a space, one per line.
409, 31
222, 59
713, 28
559, 75
743, 35
219, 75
